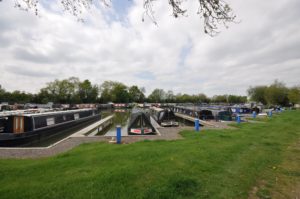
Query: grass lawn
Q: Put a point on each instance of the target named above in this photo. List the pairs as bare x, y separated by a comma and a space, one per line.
210, 164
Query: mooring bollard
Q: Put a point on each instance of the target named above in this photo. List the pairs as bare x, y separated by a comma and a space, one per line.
118, 134
238, 119
197, 124
270, 113
254, 114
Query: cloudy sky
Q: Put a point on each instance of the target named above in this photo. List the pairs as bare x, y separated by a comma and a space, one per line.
114, 44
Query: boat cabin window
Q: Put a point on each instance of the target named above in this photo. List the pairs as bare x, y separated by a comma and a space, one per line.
76, 116
50, 121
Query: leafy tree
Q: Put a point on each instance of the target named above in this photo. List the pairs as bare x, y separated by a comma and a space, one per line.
120, 93
277, 94
184, 98
219, 99
70, 90
235, 99
202, 98
157, 95
136, 94
294, 95
2, 94
20, 97
170, 97
114, 92
2, 90
257, 94
44, 97
105, 90
213, 12
87, 92
64, 91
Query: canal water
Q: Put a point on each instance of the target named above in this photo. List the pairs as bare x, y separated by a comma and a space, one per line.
121, 117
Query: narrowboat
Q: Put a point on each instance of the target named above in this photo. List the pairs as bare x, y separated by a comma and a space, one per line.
26, 128
223, 115
197, 112
140, 123
241, 110
205, 114
164, 117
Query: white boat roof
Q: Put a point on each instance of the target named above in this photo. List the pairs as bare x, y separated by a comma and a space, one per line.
156, 108
44, 112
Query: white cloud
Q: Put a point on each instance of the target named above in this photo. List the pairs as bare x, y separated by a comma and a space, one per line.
263, 47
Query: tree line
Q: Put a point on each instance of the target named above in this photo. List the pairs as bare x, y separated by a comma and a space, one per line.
275, 94
74, 91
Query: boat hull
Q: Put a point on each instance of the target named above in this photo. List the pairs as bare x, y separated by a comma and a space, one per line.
29, 138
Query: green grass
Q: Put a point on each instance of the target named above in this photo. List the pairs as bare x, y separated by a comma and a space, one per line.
209, 164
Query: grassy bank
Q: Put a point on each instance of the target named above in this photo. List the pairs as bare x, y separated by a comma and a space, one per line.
209, 164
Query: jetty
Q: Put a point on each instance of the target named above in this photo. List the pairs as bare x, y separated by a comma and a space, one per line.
91, 129
192, 119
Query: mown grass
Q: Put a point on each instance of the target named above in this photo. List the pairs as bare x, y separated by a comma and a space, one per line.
209, 164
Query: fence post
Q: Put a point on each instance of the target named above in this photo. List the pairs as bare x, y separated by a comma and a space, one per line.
118, 134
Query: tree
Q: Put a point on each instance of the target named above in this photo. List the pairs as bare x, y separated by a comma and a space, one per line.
294, 95
120, 93
277, 94
44, 97
114, 92
257, 94
235, 99
20, 97
2, 93
219, 99
157, 95
87, 92
105, 90
213, 12
170, 97
70, 90
202, 98
136, 94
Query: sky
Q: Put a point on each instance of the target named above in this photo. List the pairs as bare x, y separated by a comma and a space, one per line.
115, 44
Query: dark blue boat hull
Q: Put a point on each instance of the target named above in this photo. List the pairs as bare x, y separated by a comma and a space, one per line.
29, 138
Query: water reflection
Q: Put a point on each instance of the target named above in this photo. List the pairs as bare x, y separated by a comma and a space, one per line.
183, 122
121, 117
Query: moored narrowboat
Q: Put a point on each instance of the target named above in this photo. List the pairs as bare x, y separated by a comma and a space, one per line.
205, 114
164, 117
140, 123
222, 115
25, 128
